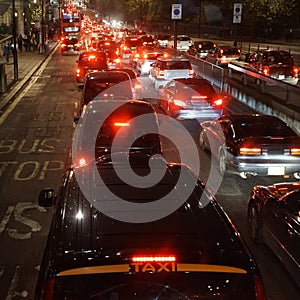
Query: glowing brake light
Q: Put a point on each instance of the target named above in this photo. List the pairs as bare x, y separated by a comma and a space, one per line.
218, 102
179, 103
146, 56
82, 162
121, 124
260, 290
295, 151
91, 57
78, 72
170, 258
266, 71
191, 72
199, 97
295, 72
250, 151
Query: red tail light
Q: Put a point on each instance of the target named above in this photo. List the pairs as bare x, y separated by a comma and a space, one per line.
218, 102
121, 124
295, 151
260, 289
191, 72
78, 72
250, 151
295, 72
162, 258
266, 71
48, 290
137, 86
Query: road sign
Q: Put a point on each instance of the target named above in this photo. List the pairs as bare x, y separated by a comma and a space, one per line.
237, 9
176, 11
237, 19
237, 13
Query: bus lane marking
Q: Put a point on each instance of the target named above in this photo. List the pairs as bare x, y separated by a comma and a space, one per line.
6, 218
13, 285
19, 217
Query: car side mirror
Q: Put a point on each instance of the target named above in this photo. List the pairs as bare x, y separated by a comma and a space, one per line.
47, 197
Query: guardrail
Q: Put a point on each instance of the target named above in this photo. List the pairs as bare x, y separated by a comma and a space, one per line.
286, 108
291, 92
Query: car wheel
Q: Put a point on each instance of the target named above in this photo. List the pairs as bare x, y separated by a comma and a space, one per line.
202, 141
254, 224
222, 163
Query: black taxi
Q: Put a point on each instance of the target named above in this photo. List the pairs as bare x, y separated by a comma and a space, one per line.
191, 251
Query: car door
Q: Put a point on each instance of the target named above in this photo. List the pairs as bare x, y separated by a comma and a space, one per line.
166, 94
281, 230
290, 212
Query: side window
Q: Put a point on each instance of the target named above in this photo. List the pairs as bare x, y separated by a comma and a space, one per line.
292, 203
227, 129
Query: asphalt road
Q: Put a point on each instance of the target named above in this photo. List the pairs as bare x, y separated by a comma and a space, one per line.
35, 143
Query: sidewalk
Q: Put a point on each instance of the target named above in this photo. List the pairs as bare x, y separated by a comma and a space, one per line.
28, 63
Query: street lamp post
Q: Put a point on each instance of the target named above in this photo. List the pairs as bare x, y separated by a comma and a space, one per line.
14, 32
42, 32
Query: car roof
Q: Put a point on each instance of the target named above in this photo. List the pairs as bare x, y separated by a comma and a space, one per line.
108, 75
188, 231
173, 58
191, 81
130, 72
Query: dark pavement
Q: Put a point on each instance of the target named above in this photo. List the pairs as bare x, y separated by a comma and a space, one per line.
28, 63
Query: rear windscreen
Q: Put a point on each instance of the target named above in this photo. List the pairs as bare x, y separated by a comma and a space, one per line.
155, 286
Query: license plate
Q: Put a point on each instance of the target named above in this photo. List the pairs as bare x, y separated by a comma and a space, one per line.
276, 171
281, 77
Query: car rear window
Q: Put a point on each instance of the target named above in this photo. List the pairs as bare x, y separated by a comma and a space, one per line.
184, 38
95, 86
176, 65
277, 58
230, 51
157, 286
266, 128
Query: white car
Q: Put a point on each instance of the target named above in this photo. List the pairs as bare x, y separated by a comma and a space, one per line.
167, 68
183, 43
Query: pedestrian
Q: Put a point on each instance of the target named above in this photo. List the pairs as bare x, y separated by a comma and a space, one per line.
20, 42
26, 42
6, 52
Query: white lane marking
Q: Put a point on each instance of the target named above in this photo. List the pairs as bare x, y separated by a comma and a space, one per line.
13, 285
2, 268
6, 218
34, 225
